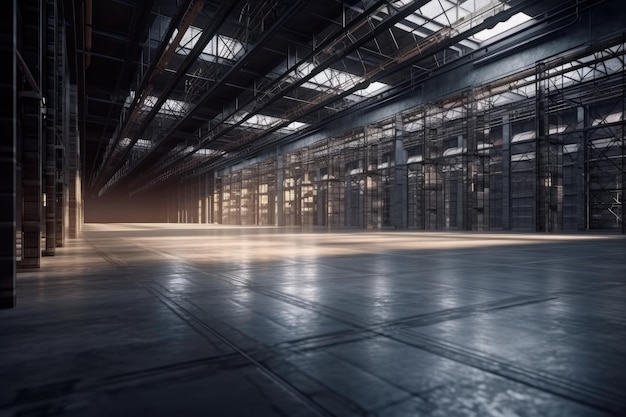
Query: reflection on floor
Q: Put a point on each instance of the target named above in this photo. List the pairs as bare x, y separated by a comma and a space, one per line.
192, 320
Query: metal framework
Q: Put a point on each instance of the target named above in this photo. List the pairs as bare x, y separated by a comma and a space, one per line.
369, 46
538, 150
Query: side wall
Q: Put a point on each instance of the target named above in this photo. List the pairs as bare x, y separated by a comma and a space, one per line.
529, 136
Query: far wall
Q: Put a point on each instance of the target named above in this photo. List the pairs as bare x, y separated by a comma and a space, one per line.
121, 209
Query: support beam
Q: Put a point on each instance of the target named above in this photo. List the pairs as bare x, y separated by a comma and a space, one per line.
579, 178
62, 185
75, 208
51, 94
470, 164
399, 201
257, 103
112, 162
8, 158
542, 216
548, 197
31, 133
280, 190
506, 172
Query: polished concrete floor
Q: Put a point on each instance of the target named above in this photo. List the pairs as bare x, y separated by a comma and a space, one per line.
189, 320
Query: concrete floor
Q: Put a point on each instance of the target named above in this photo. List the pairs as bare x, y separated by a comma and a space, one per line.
189, 320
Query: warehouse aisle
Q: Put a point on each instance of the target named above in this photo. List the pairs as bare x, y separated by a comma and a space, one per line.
206, 320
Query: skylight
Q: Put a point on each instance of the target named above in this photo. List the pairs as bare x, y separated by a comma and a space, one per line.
220, 46
142, 144
371, 90
446, 12
263, 121
170, 107
435, 15
205, 152
515, 20
331, 79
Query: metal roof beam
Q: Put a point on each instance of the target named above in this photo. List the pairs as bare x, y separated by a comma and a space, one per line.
206, 36
327, 49
183, 18
240, 64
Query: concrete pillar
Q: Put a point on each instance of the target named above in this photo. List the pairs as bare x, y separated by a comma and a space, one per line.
8, 161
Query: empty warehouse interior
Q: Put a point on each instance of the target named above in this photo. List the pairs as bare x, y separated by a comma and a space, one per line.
313, 208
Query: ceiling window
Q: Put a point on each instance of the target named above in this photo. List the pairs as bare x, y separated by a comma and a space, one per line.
331, 80
170, 107
220, 46
514, 21
263, 121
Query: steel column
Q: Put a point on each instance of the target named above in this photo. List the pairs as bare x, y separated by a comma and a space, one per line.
506, 172
399, 212
31, 132
280, 195
50, 125
73, 167
8, 159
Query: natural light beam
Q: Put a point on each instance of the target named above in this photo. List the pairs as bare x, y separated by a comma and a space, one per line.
513, 21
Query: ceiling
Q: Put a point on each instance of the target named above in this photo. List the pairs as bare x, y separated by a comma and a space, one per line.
177, 86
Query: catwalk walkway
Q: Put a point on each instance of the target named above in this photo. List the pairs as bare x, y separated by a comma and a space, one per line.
196, 320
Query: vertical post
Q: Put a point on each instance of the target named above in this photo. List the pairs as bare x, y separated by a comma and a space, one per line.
549, 161
471, 166
217, 200
49, 134
431, 178
623, 185
199, 199
463, 201
178, 211
506, 173
8, 160
182, 203
203, 197
319, 202
399, 191
421, 179
62, 136
280, 192
30, 140
348, 200
579, 178
50, 187
31, 180
542, 160
73, 167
